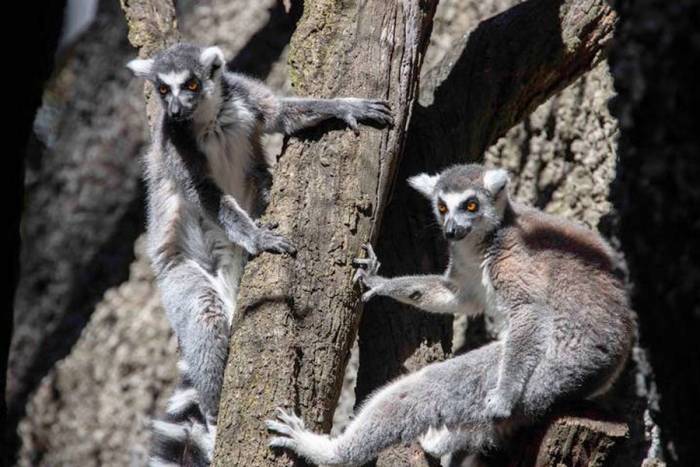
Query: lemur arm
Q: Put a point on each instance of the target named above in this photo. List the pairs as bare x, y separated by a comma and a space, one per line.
201, 191
521, 354
290, 114
428, 292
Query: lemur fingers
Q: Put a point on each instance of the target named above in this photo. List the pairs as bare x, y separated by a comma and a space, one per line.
287, 424
266, 225
380, 112
366, 274
371, 262
273, 242
370, 110
359, 275
351, 121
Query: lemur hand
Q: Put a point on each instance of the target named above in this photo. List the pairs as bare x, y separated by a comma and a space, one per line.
367, 276
352, 109
272, 242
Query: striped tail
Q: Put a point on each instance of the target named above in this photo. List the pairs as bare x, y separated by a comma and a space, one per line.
183, 437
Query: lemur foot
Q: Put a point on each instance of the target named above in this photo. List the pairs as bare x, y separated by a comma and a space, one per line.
272, 242
370, 110
287, 424
316, 448
367, 275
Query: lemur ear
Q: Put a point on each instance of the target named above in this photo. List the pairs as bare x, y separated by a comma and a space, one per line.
424, 183
141, 68
212, 57
495, 180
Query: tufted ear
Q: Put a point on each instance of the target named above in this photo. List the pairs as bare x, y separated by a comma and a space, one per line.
141, 68
495, 180
212, 57
424, 183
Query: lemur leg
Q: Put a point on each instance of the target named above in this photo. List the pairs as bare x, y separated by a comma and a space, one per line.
522, 351
201, 320
430, 293
449, 393
296, 113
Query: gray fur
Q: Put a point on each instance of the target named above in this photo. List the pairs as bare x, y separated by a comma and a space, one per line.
208, 180
569, 327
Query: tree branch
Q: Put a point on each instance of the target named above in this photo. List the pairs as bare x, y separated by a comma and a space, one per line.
504, 69
297, 318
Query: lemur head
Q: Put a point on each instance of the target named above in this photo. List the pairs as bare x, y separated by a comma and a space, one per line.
184, 75
467, 199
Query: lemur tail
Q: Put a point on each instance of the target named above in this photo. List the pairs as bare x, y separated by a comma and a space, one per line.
183, 437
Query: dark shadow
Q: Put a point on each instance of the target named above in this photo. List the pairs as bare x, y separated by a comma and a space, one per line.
266, 46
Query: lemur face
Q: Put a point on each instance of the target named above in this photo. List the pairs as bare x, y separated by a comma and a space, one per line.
465, 198
184, 76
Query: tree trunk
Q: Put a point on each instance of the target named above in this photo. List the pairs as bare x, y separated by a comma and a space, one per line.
297, 318
654, 63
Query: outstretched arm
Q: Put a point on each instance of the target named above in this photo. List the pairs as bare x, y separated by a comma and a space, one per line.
296, 113
290, 114
430, 293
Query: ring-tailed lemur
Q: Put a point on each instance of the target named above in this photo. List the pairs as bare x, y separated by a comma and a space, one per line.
208, 179
569, 327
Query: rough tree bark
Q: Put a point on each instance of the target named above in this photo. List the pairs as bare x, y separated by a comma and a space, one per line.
497, 74
654, 63
297, 318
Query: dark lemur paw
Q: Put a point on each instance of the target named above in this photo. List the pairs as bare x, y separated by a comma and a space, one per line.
272, 242
368, 110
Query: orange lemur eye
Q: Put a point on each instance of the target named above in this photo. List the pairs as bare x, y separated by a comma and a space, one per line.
192, 85
472, 206
442, 208
163, 89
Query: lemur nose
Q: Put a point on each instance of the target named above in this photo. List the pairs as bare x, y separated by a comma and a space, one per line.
453, 231
450, 229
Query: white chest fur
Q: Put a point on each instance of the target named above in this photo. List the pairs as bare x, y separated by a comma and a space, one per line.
467, 270
226, 140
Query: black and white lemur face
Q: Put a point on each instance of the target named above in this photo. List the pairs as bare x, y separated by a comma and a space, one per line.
184, 76
465, 198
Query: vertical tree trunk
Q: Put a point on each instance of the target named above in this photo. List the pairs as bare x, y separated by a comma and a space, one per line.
297, 317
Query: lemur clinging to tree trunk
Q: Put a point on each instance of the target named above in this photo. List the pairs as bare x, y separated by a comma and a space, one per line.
208, 179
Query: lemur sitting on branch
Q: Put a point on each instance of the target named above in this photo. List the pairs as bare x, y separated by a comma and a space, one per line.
569, 327
208, 179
